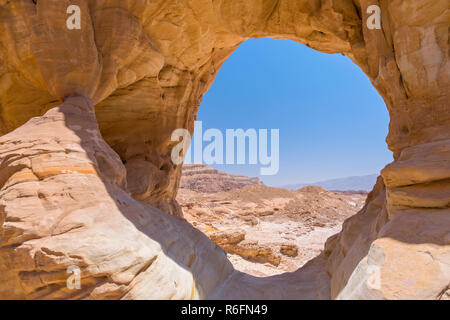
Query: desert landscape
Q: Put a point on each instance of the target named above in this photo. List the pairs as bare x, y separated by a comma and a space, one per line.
90, 94
265, 231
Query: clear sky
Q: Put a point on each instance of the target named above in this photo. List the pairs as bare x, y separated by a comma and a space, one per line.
332, 122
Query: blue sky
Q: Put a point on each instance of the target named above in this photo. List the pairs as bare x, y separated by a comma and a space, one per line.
332, 122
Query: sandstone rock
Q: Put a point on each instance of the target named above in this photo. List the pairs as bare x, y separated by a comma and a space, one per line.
290, 250
232, 237
146, 65
234, 242
252, 251
64, 204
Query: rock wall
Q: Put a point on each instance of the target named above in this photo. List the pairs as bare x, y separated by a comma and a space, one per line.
145, 65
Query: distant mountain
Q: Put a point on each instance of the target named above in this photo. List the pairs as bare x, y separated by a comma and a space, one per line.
364, 183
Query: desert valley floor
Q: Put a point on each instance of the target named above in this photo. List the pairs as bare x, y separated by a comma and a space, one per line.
265, 230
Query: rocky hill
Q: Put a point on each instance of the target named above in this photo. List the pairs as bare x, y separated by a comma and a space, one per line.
203, 178
264, 230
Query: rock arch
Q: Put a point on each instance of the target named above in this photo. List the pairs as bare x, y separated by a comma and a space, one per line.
145, 65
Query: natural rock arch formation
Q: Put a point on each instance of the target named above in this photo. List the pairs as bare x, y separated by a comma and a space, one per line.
145, 64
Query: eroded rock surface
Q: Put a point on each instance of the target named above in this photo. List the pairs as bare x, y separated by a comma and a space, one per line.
64, 204
145, 65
